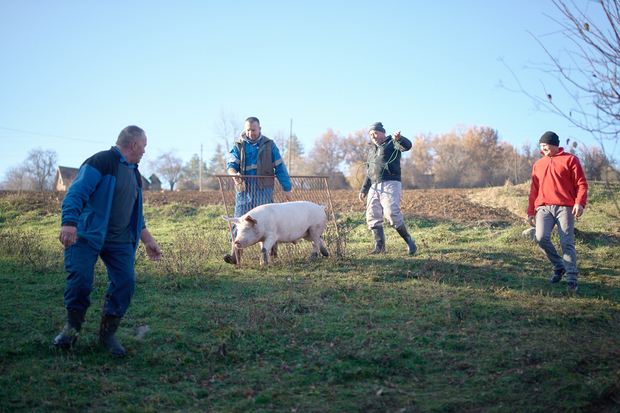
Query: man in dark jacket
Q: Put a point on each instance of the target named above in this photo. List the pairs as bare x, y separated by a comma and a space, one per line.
382, 188
102, 217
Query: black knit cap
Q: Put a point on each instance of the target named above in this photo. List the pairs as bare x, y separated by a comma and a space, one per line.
551, 138
377, 126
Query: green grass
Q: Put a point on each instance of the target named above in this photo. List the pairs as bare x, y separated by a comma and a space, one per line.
471, 323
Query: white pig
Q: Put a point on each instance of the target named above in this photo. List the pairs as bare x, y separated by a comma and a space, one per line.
286, 222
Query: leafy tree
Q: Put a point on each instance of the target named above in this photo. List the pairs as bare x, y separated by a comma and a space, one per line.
169, 167
450, 159
217, 164
293, 153
327, 154
356, 149
484, 157
190, 173
41, 165
326, 158
418, 161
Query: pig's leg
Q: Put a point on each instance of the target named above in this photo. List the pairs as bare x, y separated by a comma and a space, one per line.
315, 238
274, 251
322, 248
265, 248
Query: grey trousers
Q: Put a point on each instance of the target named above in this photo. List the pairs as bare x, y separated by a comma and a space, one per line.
547, 216
384, 200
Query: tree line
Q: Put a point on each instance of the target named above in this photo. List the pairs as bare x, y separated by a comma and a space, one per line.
465, 157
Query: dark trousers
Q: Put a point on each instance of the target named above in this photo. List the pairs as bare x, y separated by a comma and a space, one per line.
80, 262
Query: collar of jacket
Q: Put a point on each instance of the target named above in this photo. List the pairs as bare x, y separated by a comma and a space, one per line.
384, 143
123, 160
559, 152
257, 142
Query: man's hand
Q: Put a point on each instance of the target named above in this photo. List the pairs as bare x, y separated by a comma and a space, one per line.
396, 136
233, 171
152, 249
532, 220
68, 235
238, 180
362, 197
577, 210
288, 196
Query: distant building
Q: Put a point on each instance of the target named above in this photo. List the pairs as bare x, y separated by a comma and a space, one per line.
424, 181
65, 176
155, 183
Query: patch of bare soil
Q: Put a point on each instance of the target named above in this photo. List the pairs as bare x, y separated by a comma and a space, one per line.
457, 204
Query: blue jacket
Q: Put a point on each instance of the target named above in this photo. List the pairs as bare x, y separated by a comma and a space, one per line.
88, 202
251, 160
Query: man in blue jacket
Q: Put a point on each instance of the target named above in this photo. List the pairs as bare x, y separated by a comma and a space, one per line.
102, 217
382, 186
255, 154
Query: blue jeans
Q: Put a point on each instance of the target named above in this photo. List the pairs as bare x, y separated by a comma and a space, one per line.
80, 260
548, 216
248, 200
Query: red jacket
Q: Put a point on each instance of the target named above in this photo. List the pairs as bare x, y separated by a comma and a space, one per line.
557, 180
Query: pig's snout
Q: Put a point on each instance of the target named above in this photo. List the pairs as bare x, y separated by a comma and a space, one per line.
237, 243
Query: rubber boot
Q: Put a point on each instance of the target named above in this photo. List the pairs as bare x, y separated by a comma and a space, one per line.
73, 324
233, 257
402, 231
379, 237
107, 334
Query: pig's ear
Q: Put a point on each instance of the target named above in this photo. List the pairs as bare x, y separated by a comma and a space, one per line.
235, 220
251, 220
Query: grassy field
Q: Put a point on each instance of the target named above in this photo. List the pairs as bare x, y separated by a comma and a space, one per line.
469, 324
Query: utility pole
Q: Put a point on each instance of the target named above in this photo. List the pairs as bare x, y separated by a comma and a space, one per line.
516, 159
200, 169
290, 148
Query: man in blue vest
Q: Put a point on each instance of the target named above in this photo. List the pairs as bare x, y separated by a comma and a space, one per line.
256, 155
102, 217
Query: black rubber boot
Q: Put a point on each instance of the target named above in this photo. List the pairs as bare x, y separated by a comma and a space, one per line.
233, 257
107, 334
402, 231
73, 324
379, 237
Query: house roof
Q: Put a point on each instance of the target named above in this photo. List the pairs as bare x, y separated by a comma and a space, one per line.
67, 174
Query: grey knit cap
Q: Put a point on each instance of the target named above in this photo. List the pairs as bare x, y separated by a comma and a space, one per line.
377, 126
550, 138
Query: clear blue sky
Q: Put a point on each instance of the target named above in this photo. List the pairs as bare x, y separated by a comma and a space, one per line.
74, 73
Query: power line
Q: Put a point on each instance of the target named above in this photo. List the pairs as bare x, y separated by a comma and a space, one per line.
49, 136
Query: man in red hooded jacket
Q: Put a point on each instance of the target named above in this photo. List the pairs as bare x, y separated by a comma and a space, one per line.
557, 196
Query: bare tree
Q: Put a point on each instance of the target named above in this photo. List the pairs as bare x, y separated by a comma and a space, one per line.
228, 128
590, 75
593, 161
169, 167
587, 71
18, 178
41, 165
